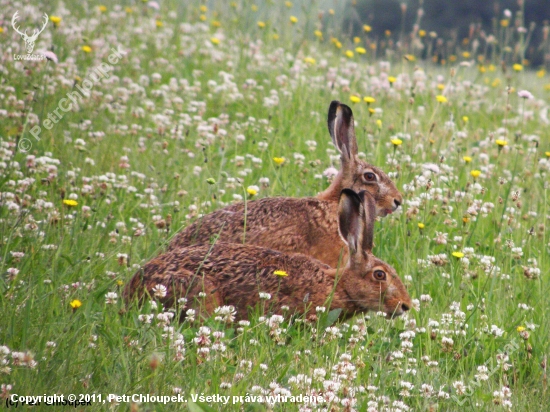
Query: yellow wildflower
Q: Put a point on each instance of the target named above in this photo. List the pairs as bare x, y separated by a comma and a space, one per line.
288, 4
422, 33
369, 99
318, 34
349, 53
261, 24
102, 8
421, 225
158, 23
215, 40
547, 154
202, 17
441, 99
466, 54
357, 39
458, 255
360, 50
397, 142
128, 10
70, 202
379, 123
293, 19
280, 273
55, 20
520, 329
501, 143
279, 160
254, 7
203, 9
309, 60
367, 28
504, 22
465, 119
392, 79
216, 23
517, 67
86, 49
475, 173
355, 99
331, 12
275, 36
75, 304
251, 191
467, 159
541, 73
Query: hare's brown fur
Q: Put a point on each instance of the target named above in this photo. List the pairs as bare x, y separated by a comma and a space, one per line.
304, 225
234, 274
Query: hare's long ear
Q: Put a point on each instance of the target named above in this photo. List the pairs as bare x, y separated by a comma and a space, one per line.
351, 222
369, 206
341, 129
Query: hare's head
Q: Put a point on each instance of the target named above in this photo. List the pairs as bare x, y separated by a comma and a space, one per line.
370, 283
355, 173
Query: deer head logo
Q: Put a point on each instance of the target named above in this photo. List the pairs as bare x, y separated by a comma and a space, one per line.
29, 40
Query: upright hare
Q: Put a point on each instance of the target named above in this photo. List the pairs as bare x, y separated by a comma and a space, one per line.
303, 225
235, 274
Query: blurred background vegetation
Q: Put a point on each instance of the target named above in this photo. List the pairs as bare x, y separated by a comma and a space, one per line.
456, 26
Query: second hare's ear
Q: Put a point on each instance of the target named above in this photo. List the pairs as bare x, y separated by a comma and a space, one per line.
341, 129
351, 219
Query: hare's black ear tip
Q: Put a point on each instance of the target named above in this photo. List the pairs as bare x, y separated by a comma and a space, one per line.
349, 193
332, 109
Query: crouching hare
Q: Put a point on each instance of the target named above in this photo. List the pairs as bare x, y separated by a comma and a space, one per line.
210, 276
302, 225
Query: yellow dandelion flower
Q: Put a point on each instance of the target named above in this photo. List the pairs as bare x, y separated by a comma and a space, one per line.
465, 119
369, 99
280, 273
261, 24
128, 10
1, 30
318, 34
452, 58
86, 49
441, 99
309, 60
202, 17
55, 20
371, 111
465, 219
541, 73
367, 28
331, 12
547, 154
293, 19
349, 53
360, 50
215, 40
422, 33
254, 7
357, 39
467, 159
392, 79
501, 143
517, 67
440, 86
279, 160
475, 173
216, 23
396, 142
158, 23
75, 304
379, 123
338, 44
102, 8
275, 36
410, 57
70, 202
421, 225
504, 23
288, 4
203, 9
458, 255
387, 33
251, 191
119, 282
354, 98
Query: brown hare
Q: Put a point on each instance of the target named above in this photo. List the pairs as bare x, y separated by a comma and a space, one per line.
303, 225
235, 274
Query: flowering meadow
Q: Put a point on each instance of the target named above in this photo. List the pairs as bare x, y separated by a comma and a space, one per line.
147, 115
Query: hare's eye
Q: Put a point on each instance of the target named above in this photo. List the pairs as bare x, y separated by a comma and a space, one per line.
370, 177
379, 275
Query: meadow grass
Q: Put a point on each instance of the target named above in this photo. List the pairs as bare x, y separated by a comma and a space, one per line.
189, 121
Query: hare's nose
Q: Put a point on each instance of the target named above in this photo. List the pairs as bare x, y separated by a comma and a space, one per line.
397, 203
405, 307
